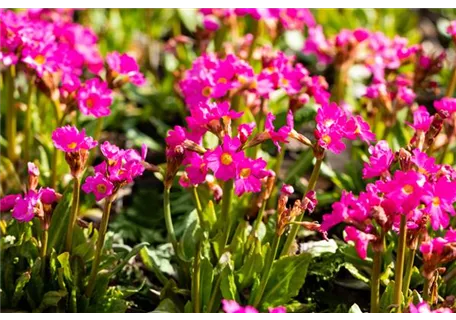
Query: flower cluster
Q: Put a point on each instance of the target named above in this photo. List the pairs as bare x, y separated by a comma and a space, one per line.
423, 307
34, 203
120, 168
58, 51
231, 306
438, 251
422, 191
286, 18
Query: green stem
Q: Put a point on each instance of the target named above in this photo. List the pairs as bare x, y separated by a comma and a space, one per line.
375, 283
168, 219
196, 280
311, 186
215, 293
11, 115
275, 192
400, 263
199, 208
266, 271
28, 121
452, 85
259, 218
408, 271
73, 214
99, 248
228, 188
426, 288
55, 156
44, 243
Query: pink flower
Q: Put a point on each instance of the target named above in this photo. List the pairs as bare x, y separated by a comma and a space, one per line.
446, 104
281, 135
33, 169
245, 130
423, 307
425, 164
69, 139
360, 239
7, 202
70, 84
24, 209
277, 310
379, 161
405, 190
99, 186
421, 119
439, 198
126, 67
231, 306
317, 44
48, 195
223, 159
452, 29
41, 58
248, 175
406, 95
197, 170
95, 98
211, 23
331, 127
287, 189
357, 127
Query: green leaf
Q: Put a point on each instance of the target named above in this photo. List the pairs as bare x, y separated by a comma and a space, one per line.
354, 309
64, 260
207, 277
209, 215
51, 299
130, 255
167, 306
59, 221
228, 285
288, 275
386, 300
252, 266
150, 264
190, 238
21, 282
189, 18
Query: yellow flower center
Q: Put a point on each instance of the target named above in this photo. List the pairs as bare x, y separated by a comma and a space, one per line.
207, 91
242, 79
40, 59
101, 188
284, 82
245, 173
408, 189
222, 80
226, 159
326, 138
72, 145
436, 201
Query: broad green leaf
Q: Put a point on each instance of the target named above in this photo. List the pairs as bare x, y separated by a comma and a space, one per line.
386, 300
207, 278
252, 266
64, 260
190, 238
21, 282
151, 265
59, 221
288, 275
130, 255
228, 285
167, 306
209, 215
51, 299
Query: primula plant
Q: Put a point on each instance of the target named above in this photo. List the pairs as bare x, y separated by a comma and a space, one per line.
296, 165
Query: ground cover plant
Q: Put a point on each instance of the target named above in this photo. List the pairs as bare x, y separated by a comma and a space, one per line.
228, 160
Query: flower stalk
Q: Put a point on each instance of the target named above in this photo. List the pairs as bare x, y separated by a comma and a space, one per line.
375, 282
226, 208
400, 259
74, 213
168, 218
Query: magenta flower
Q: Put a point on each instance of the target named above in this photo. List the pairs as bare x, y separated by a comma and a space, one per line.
126, 67
223, 159
452, 29
231, 306
211, 23
8, 202
99, 186
317, 44
69, 139
95, 98
421, 119
249, 173
281, 135
446, 104
245, 130
277, 310
405, 190
110, 151
439, 198
41, 58
360, 239
425, 164
48, 195
379, 161
331, 127
197, 170
24, 209
423, 307
406, 95
357, 127
287, 189
33, 169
